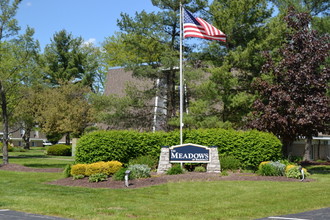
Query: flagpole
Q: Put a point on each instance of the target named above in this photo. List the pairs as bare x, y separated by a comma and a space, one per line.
181, 79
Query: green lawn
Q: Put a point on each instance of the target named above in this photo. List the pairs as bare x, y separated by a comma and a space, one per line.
37, 158
186, 200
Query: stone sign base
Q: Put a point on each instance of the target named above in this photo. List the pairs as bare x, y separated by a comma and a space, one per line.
213, 165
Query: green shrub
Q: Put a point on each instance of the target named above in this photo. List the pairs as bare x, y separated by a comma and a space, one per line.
120, 175
16, 149
229, 163
59, 150
67, 170
249, 147
175, 169
293, 171
200, 169
98, 177
148, 160
272, 169
77, 177
139, 171
224, 173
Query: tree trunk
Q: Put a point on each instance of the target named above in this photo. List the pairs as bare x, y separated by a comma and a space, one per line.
171, 100
5, 139
67, 138
308, 149
26, 139
286, 147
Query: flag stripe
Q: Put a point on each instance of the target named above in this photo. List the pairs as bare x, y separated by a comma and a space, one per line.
197, 27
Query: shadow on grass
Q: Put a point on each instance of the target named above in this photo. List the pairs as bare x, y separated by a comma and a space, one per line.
28, 156
42, 165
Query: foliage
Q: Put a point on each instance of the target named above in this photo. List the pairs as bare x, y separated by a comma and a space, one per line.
120, 175
229, 163
271, 168
68, 59
249, 147
139, 171
59, 150
150, 39
294, 101
294, 171
119, 145
77, 177
98, 177
78, 169
16, 149
67, 170
18, 56
148, 160
107, 168
175, 169
64, 110
199, 169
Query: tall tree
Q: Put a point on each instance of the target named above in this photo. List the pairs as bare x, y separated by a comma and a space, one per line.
293, 101
68, 59
64, 110
148, 44
234, 65
15, 53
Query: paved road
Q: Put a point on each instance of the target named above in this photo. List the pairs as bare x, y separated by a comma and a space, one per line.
320, 214
6, 214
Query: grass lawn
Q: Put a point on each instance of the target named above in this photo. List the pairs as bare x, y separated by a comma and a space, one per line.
186, 200
37, 158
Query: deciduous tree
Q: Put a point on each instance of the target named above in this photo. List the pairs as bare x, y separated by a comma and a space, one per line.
15, 52
293, 101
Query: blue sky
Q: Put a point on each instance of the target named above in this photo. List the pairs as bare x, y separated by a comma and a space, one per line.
93, 20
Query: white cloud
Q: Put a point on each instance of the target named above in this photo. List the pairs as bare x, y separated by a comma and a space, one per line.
29, 4
90, 41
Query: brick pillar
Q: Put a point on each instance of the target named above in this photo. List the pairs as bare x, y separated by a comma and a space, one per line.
214, 165
164, 160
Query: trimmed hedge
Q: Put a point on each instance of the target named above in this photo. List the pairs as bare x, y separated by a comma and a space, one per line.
249, 147
59, 150
107, 168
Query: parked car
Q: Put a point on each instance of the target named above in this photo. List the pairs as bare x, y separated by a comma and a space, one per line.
46, 143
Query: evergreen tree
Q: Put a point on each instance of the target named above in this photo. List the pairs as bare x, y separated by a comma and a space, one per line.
68, 59
149, 45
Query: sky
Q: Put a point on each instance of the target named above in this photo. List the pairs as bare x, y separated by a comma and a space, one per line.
93, 20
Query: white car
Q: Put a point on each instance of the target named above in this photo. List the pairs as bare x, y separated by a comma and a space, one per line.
46, 143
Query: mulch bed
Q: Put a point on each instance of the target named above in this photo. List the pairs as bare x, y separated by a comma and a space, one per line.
154, 180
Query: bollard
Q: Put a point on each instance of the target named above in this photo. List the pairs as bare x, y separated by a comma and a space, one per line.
127, 172
302, 173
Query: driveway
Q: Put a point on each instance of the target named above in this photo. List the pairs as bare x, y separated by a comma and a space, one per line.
6, 214
319, 214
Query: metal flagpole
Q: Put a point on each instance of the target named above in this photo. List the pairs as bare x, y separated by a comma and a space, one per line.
181, 79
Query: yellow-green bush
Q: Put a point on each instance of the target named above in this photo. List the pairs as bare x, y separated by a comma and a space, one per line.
93, 168
263, 163
112, 167
293, 171
78, 169
107, 168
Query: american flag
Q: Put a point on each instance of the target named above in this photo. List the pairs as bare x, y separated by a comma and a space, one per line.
197, 27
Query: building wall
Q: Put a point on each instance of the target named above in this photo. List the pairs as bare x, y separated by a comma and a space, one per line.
320, 149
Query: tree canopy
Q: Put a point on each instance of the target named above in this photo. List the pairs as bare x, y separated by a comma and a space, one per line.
293, 101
